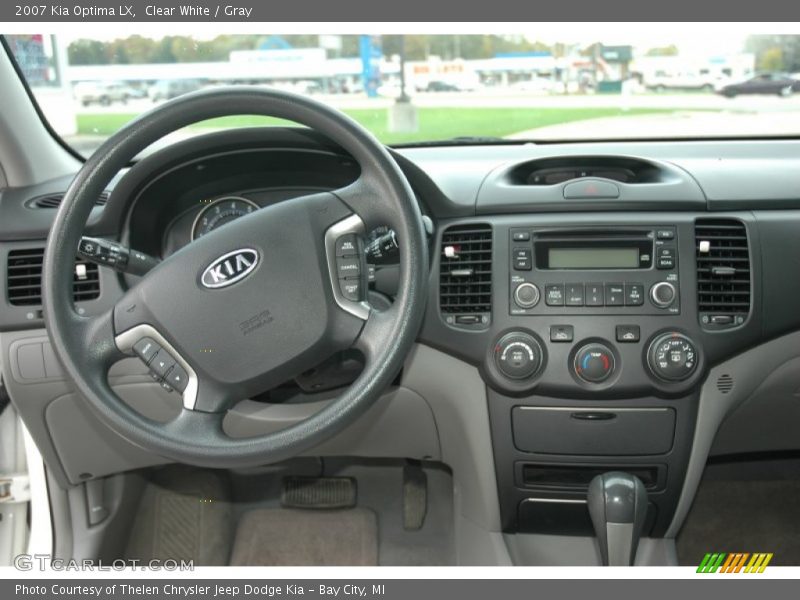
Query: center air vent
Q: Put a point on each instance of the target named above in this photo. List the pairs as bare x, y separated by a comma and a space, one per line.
465, 275
24, 278
54, 200
723, 272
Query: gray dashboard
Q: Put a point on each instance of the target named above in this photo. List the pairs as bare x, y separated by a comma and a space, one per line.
538, 190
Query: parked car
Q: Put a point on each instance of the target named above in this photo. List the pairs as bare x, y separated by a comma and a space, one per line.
172, 88
766, 83
105, 94
441, 86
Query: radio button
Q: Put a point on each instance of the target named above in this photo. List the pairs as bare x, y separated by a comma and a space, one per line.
574, 294
666, 257
615, 294
665, 234
522, 259
665, 263
594, 294
554, 294
521, 236
634, 294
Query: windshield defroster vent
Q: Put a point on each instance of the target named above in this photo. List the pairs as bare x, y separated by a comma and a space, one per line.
723, 272
465, 275
54, 200
24, 278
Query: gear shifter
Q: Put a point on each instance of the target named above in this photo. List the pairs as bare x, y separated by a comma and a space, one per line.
617, 505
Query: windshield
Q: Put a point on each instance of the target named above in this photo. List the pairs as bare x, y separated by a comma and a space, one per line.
542, 85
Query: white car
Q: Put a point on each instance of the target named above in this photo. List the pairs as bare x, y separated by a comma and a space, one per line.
103, 93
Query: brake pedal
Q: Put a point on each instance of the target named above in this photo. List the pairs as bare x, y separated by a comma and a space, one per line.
319, 492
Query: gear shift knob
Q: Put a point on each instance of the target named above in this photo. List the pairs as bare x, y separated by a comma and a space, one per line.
617, 505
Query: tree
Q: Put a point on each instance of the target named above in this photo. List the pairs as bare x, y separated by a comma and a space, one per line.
775, 52
770, 60
671, 50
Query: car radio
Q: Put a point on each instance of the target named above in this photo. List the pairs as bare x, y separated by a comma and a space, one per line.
620, 270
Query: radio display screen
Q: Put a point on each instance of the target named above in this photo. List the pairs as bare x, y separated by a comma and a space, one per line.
593, 258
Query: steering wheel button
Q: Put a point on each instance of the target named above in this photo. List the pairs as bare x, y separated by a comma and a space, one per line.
161, 364
347, 245
146, 349
177, 378
351, 289
348, 267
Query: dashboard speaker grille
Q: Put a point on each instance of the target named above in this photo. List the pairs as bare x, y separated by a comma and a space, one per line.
724, 383
54, 200
723, 272
465, 274
24, 278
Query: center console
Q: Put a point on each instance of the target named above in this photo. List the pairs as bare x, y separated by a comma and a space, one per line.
587, 333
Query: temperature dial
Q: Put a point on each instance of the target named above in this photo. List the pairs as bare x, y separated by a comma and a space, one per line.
518, 356
594, 363
672, 357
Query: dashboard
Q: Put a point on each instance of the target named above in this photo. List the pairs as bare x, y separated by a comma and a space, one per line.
593, 286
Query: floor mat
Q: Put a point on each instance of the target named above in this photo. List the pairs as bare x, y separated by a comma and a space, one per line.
743, 516
293, 537
380, 489
184, 514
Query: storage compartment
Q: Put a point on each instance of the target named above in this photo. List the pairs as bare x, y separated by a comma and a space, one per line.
565, 517
577, 477
593, 432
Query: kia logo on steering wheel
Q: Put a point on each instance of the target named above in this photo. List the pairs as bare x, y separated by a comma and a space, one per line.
229, 268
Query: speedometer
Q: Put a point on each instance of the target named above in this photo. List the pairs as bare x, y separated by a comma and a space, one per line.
221, 211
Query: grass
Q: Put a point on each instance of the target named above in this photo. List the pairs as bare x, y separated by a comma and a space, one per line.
434, 123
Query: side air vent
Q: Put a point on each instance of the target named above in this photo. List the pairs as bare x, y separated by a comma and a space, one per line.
724, 384
24, 278
54, 200
465, 275
723, 272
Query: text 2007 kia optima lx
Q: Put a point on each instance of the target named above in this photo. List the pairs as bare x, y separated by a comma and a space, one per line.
440, 300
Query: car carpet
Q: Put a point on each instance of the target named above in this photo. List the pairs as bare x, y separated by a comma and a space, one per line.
297, 537
743, 516
184, 514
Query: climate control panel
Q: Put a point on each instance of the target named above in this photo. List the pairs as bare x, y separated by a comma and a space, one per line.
570, 364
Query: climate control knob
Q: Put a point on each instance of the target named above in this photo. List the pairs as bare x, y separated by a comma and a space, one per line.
662, 294
672, 357
518, 355
526, 295
594, 363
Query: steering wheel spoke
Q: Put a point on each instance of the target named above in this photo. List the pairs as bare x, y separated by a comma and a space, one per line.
97, 335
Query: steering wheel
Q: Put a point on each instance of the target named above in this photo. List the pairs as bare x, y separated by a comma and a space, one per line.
247, 306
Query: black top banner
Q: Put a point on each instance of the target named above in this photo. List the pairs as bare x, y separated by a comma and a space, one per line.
463, 11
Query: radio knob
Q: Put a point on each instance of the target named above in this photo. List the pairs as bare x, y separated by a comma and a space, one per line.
526, 295
663, 294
